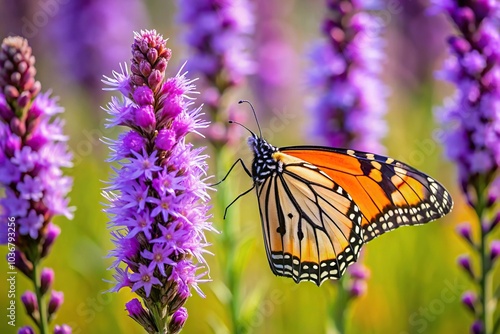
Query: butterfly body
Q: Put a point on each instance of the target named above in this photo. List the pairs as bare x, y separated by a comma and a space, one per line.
319, 205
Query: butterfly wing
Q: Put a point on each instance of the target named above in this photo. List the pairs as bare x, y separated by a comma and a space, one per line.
389, 193
311, 226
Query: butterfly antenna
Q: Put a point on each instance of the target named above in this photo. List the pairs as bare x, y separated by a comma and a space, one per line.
234, 122
254, 114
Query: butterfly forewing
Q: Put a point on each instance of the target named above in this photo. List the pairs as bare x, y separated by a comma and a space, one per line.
311, 229
388, 192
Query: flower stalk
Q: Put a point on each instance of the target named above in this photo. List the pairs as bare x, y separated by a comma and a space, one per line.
157, 196
220, 58
349, 108
471, 138
33, 150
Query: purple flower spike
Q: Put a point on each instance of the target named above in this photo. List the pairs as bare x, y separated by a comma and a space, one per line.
62, 329
218, 34
157, 197
471, 135
33, 152
345, 71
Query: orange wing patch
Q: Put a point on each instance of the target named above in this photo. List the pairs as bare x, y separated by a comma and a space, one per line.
312, 227
389, 193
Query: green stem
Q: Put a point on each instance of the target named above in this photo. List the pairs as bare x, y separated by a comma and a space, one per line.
338, 310
229, 242
156, 313
485, 283
42, 310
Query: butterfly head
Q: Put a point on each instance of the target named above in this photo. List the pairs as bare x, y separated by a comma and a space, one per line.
264, 164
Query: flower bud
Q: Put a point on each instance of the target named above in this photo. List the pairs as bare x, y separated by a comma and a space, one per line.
26, 330
464, 262
477, 327
469, 299
62, 329
465, 231
29, 301
55, 302
139, 314
46, 280
178, 320
494, 250
51, 235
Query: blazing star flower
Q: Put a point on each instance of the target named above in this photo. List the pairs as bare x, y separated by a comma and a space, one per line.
350, 104
273, 81
218, 36
157, 195
346, 73
32, 152
472, 133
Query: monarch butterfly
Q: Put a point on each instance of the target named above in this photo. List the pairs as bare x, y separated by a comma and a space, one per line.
319, 205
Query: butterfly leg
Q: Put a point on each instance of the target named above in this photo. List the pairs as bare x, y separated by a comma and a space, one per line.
230, 169
237, 198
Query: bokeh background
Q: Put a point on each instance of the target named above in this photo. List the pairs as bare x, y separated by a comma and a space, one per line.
415, 285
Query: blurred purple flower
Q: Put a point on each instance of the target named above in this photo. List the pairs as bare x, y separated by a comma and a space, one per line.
472, 126
471, 117
218, 34
89, 38
274, 82
28, 299
417, 39
345, 73
219, 38
33, 151
157, 196
62, 329
26, 330
55, 301
349, 102
469, 299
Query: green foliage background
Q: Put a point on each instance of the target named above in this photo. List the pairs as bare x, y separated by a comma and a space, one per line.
415, 285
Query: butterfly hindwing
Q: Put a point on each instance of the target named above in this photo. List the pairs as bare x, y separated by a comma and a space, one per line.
311, 225
389, 193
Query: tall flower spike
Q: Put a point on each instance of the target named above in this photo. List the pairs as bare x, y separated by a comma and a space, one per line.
350, 105
33, 152
471, 120
157, 197
217, 33
218, 36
